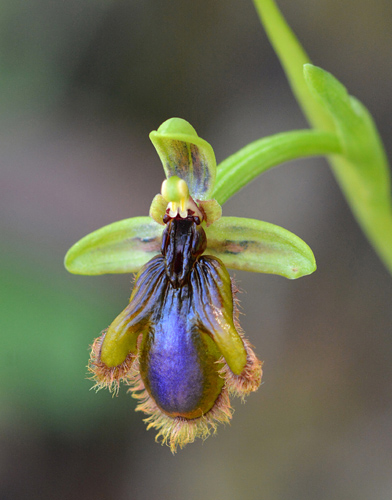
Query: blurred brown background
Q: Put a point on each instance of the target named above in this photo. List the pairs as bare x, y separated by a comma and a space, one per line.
82, 83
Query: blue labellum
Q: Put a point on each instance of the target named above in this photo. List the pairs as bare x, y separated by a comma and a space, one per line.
178, 360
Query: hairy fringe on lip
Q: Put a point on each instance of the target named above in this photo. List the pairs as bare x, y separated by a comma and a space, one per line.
179, 431
104, 377
250, 379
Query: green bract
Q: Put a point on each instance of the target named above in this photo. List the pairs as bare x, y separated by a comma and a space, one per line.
245, 244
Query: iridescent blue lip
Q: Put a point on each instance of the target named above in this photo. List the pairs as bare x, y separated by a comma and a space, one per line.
175, 362
178, 360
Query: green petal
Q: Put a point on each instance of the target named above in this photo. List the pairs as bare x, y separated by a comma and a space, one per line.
212, 211
252, 245
158, 209
185, 154
122, 247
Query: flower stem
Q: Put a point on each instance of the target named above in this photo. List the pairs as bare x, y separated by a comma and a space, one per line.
292, 57
362, 170
246, 164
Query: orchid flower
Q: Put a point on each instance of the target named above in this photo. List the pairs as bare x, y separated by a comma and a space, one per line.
178, 344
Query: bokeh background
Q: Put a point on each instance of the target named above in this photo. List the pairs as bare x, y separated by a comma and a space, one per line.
82, 83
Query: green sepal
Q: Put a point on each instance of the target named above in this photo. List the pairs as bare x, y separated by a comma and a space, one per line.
252, 245
185, 154
122, 247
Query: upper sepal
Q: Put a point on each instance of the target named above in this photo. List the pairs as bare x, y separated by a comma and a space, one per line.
185, 154
122, 247
252, 245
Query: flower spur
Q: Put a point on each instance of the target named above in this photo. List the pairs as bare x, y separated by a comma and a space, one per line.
178, 344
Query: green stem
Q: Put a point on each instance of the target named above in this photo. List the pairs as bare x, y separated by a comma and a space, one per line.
372, 209
243, 166
363, 159
292, 58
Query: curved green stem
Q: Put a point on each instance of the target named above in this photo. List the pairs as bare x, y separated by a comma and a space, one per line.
292, 57
246, 164
362, 169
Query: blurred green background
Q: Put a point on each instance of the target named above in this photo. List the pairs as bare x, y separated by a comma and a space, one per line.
81, 85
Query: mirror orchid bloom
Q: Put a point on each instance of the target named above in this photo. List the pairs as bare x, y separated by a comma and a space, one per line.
178, 344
